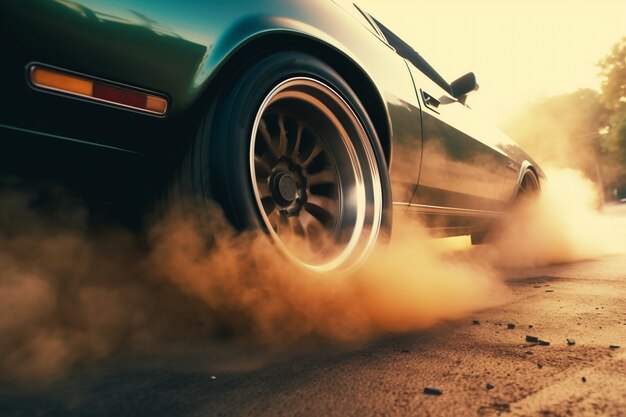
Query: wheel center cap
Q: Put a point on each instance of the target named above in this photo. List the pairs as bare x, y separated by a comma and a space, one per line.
287, 187
284, 188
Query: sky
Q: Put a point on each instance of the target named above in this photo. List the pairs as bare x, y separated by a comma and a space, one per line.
521, 51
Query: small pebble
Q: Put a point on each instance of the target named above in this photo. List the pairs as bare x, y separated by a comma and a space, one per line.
510, 326
543, 343
532, 339
614, 347
584, 379
432, 391
501, 407
489, 387
571, 342
475, 322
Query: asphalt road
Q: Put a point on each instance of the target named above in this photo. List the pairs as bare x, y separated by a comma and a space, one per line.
582, 301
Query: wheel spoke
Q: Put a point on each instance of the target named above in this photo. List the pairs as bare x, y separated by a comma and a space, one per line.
324, 177
269, 158
325, 203
296, 147
296, 227
283, 226
268, 205
263, 169
306, 219
316, 232
264, 188
314, 153
324, 215
274, 220
267, 138
282, 147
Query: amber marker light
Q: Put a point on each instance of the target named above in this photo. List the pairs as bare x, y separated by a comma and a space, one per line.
57, 80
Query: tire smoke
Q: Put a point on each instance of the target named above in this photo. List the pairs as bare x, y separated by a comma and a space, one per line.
564, 224
73, 292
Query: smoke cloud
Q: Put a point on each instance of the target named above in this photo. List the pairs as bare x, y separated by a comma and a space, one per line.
72, 291
401, 287
564, 224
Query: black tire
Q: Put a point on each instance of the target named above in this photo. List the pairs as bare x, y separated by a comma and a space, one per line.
288, 148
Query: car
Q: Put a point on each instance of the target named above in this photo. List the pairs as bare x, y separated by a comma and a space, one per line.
307, 119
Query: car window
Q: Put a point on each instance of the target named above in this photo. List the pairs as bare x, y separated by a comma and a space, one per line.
407, 52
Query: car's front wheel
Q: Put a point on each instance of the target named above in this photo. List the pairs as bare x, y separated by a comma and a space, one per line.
290, 149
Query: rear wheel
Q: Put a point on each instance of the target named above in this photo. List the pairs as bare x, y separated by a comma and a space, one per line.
290, 150
529, 187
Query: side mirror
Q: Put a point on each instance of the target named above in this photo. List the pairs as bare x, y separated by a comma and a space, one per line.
464, 85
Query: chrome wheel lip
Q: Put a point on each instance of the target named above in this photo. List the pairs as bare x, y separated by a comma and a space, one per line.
367, 193
529, 184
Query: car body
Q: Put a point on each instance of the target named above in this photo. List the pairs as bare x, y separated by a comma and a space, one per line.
442, 163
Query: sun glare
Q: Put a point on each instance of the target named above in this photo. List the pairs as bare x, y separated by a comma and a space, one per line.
520, 50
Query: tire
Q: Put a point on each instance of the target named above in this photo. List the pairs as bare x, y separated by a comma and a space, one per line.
288, 148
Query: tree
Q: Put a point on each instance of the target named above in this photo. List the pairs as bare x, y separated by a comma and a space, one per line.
613, 72
584, 129
564, 131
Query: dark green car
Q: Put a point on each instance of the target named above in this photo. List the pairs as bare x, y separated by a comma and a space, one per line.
308, 119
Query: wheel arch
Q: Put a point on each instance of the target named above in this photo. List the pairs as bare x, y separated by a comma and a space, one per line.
276, 41
525, 167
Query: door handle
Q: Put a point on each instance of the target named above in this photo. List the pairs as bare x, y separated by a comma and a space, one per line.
430, 101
